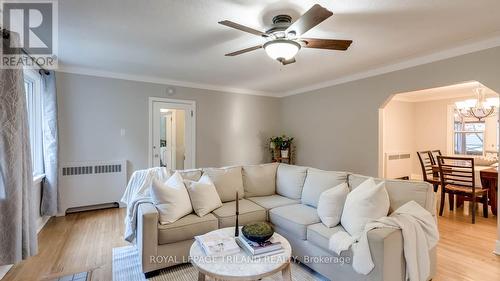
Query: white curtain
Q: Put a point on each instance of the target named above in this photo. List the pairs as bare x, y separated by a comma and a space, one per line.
17, 222
50, 194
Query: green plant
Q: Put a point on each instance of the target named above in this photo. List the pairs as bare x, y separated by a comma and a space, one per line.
282, 142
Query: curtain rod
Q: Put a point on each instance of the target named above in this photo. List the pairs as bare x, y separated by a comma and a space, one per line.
6, 35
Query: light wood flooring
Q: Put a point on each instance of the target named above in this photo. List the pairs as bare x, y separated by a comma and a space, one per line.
83, 242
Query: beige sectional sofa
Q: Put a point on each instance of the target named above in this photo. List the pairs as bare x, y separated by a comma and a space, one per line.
287, 197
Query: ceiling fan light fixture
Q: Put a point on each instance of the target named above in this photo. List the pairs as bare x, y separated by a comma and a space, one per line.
281, 49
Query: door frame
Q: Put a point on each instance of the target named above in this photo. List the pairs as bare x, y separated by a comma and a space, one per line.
189, 106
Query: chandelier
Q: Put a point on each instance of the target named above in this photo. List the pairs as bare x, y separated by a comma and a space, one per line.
478, 108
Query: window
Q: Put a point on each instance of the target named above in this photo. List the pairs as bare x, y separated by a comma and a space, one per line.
468, 137
32, 85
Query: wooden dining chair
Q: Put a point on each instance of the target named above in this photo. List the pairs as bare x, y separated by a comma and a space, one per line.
435, 153
428, 174
458, 178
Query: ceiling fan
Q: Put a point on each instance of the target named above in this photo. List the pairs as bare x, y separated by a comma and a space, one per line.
283, 39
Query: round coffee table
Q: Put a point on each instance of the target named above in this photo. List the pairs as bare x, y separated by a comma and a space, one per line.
241, 266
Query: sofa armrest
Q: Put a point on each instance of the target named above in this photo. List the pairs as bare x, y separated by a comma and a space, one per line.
386, 247
387, 250
147, 235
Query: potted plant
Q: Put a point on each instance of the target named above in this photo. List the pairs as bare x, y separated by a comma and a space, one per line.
275, 146
285, 144
281, 144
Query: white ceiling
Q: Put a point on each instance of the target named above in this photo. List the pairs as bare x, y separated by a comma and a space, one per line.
463, 90
180, 42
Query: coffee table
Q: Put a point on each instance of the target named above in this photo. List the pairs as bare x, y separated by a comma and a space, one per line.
240, 266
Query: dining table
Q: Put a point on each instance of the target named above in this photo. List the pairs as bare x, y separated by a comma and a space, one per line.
489, 180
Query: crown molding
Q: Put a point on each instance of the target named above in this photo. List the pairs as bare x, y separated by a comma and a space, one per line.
162, 81
480, 45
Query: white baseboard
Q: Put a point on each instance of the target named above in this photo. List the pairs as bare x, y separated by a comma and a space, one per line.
4, 269
41, 223
497, 248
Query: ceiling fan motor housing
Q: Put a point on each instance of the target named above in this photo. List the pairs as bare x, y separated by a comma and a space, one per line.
280, 23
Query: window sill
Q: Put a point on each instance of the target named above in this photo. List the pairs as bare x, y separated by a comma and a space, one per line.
38, 178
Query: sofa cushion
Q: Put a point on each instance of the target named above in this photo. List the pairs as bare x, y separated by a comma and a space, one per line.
249, 212
318, 181
259, 180
319, 234
189, 174
402, 191
290, 180
227, 181
273, 201
294, 218
186, 228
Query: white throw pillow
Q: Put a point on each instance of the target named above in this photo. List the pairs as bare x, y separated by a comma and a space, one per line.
203, 194
330, 205
171, 198
367, 202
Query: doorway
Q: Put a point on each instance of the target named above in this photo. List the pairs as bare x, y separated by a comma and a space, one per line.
172, 135
429, 120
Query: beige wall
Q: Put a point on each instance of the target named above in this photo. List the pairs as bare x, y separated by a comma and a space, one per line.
399, 128
338, 127
418, 126
230, 128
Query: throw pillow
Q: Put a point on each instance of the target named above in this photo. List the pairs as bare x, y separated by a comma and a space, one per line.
203, 194
367, 202
331, 203
227, 181
171, 199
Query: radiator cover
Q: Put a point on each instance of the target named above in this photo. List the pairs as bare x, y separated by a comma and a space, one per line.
87, 184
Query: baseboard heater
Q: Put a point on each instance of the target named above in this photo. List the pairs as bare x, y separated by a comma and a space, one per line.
92, 208
398, 165
86, 186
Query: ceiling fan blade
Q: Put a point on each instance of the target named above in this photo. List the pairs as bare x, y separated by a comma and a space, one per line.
329, 44
285, 62
242, 28
310, 19
244, 51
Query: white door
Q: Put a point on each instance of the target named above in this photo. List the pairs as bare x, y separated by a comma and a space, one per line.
172, 134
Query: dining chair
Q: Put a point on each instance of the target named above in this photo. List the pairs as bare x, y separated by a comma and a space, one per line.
435, 153
428, 174
457, 178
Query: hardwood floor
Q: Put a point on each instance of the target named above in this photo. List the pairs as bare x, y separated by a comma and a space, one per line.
74, 243
83, 242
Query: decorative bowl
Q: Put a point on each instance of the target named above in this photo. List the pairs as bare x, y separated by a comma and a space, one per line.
258, 232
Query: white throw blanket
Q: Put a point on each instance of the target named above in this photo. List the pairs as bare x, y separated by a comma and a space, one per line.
137, 192
420, 234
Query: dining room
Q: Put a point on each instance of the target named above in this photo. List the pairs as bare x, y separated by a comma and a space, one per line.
447, 136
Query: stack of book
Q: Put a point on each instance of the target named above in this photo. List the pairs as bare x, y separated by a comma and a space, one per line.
257, 250
216, 244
